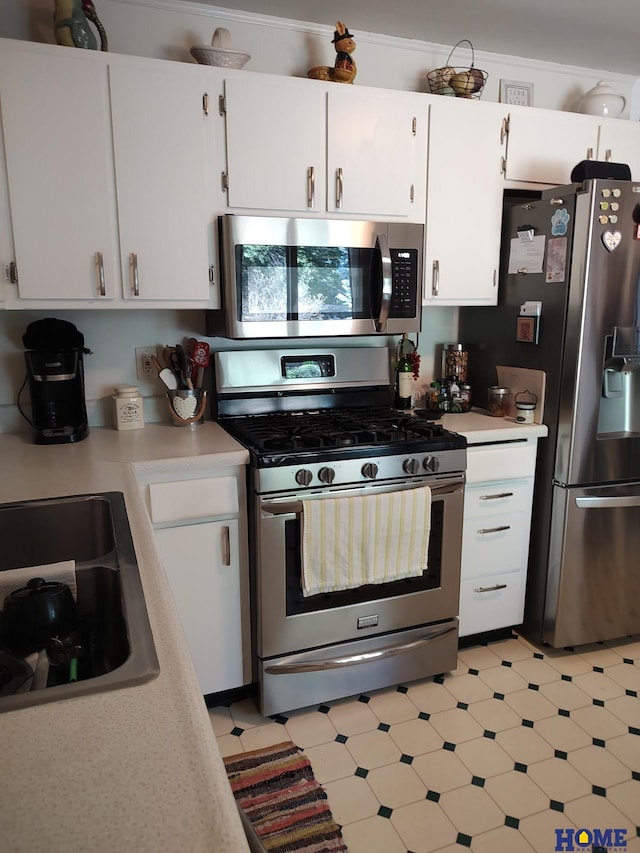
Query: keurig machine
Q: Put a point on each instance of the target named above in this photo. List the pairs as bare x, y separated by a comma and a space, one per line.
55, 371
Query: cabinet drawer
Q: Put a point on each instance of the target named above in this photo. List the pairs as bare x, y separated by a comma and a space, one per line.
502, 462
498, 498
492, 545
497, 601
200, 498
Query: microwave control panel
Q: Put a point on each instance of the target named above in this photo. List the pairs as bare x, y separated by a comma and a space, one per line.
404, 292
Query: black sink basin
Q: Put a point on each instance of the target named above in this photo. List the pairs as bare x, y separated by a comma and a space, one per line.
116, 646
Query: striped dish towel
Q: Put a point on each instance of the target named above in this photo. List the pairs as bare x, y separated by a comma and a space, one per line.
366, 539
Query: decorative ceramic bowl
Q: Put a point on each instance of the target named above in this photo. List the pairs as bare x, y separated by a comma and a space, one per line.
602, 100
220, 56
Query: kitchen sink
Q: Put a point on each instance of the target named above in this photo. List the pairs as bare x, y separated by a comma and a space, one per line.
116, 643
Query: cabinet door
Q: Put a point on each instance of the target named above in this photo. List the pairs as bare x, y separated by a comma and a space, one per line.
202, 565
464, 203
376, 154
160, 131
544, 146
619, 142
55, 118
275, 144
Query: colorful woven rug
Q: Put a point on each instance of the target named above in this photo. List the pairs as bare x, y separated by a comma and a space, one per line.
276, 789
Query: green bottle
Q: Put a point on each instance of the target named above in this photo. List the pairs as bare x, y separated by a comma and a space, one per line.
404, 383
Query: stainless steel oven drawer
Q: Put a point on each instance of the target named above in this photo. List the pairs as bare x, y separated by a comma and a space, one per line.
348, 669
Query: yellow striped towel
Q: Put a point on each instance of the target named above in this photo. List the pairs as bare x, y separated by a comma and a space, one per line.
366, 539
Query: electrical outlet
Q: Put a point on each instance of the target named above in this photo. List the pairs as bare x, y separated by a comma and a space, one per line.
144, 362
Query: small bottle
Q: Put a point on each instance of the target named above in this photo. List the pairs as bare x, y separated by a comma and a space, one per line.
404, 383
127, 406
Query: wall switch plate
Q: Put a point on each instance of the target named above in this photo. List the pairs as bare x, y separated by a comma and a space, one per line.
144, 362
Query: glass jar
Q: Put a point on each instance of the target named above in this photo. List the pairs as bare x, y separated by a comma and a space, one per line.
127, 407
454, 363
498, 401
465, 398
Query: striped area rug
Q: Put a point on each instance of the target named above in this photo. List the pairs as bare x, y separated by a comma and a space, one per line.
276, 789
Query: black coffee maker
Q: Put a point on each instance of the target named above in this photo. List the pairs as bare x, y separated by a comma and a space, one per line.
55, 372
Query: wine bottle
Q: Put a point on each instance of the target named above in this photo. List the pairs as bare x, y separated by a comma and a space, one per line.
404, 383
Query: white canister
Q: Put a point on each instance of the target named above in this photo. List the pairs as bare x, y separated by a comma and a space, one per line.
525, 403
127, 407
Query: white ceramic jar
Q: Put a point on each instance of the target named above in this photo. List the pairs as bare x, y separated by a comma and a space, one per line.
603, 100
127, 407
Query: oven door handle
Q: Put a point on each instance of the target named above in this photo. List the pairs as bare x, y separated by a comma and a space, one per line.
382, 245
295, 507
354, 660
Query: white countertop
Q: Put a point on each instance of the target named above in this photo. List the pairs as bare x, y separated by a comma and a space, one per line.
136, 769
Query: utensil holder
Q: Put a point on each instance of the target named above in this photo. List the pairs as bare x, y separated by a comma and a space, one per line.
187, 407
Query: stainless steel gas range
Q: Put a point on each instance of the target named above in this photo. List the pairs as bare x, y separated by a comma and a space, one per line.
318, 424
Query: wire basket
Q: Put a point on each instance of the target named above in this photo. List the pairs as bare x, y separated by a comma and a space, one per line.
457, 82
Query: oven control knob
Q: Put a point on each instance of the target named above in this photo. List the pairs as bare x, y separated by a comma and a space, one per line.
304, 477
369, 470
411, 466
327, 475
431, 463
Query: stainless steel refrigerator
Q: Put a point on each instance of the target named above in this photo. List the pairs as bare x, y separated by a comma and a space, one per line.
576, 251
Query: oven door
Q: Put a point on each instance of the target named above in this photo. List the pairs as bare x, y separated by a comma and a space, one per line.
287, 622
319, 278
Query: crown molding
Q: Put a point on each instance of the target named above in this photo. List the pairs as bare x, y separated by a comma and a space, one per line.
253, 18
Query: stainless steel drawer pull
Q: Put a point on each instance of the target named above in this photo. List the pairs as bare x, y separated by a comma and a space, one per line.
496, 497
353, 660
226, 546
593, 502
495, 529
435, 278
102, 289
134, 273
490, 588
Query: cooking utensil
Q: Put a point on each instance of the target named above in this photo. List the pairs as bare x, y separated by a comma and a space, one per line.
165, 375
175, 366
185, 369
201, 355
36, 612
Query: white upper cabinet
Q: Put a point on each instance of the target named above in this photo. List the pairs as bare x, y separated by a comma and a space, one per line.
275, 144
619, 142
55, 118
376, 153
109, 175
544, 145
303, 146
160, 127
464, 202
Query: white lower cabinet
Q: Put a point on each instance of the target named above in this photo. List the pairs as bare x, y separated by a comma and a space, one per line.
495, 536
200, 534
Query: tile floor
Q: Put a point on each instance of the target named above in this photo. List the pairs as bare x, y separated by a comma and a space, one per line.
515, 744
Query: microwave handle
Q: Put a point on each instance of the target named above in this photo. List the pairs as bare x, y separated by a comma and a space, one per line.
382, 245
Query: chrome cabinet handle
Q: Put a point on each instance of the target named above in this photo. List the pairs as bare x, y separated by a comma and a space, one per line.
102, 288
490, 588
311, 186
134, 273
495, 529
382, 246
607, 155
435, 278
496, 497
339, 188
589, 153
352, 660
226, 546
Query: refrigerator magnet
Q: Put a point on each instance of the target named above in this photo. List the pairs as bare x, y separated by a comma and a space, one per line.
527, 330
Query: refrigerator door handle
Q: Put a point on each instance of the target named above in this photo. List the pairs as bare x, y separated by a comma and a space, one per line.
593, 502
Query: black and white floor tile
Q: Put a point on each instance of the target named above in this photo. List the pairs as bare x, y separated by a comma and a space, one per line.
516, 751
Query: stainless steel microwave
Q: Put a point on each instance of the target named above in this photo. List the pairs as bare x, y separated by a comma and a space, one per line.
292, 278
